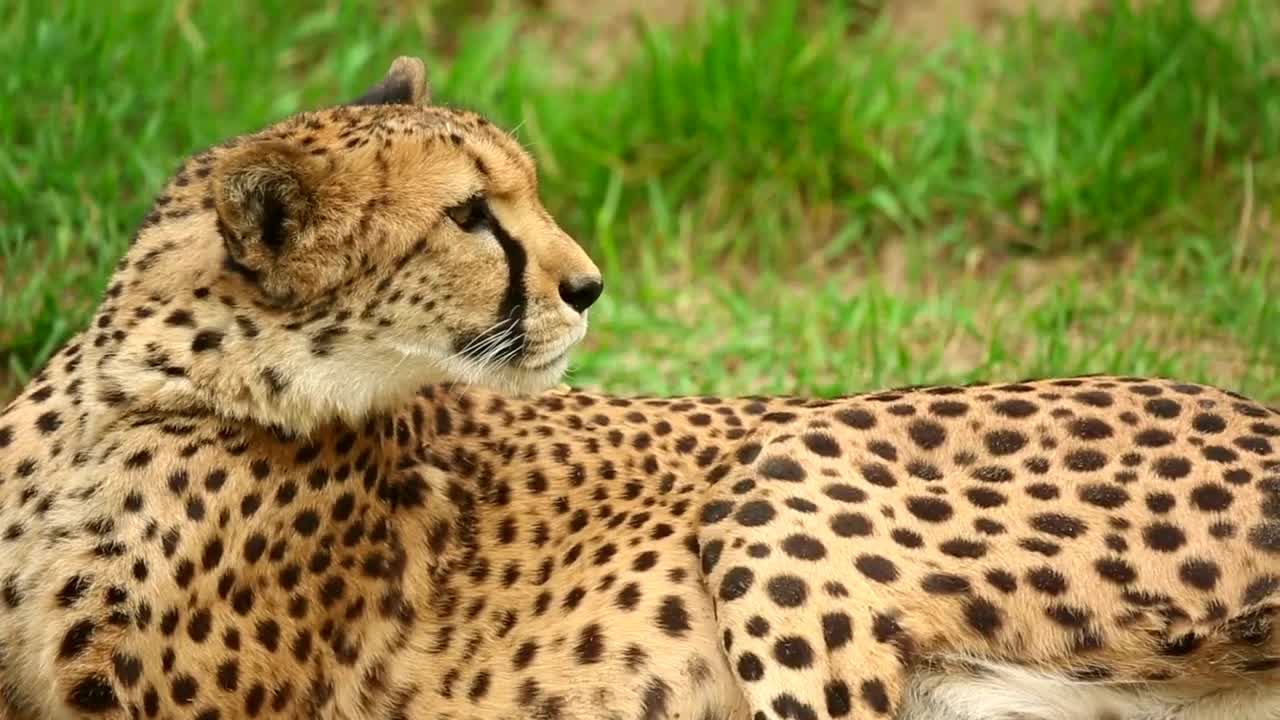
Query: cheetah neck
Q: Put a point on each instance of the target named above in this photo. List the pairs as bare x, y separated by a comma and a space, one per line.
163, 341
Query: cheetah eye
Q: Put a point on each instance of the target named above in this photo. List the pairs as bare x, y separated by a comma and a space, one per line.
471, 214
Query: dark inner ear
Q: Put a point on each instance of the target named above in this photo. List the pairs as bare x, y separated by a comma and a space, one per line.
392, 91
273, 217
404, 84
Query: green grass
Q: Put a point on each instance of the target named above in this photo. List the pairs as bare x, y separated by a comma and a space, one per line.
781, 200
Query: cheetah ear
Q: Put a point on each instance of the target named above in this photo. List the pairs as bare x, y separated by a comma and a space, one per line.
404, 84
266, 195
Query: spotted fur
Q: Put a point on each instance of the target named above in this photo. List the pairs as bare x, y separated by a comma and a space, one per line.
301, 465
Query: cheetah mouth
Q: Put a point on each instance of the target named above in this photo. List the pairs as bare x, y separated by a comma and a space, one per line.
557, 355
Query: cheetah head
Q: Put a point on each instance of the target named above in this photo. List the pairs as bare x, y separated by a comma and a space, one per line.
335, 262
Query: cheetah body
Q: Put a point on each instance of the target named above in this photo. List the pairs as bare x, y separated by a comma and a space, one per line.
229, 498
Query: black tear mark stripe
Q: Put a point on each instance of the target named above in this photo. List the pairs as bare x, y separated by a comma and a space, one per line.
514, 299
511, 309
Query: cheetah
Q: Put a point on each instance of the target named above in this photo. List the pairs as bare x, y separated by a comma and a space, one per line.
310, 459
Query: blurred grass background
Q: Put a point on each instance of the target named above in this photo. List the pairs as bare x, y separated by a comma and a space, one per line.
792, 196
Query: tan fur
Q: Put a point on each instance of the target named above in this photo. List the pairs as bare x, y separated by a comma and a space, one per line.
266, 482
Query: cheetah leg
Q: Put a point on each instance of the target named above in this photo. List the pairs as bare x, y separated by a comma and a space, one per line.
801, 602
799, 655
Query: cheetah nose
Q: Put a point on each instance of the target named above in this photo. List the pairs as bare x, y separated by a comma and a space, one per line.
581, 291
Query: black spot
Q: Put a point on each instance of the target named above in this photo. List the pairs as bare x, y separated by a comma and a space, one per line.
653, 705
48, 422
715, 511
1089, 428
306, 523
1161, 502
138, 460
229, 675
837, 630
839, 704
878, 474
1067, 615
748, 453
850, 525
983, 617
1237, 476
184, 689
909, 539
801, 505
1200, 574
985, 498
1094, 398
884, 450
793, 651
1085, 460
857, 418
1043, 491
788, 591
755, 513
1047, 580
929, 509
948, 408
877, 568
1266, 536
1222, 530
987, 526
750, 667
1254, 444
1059, 525
1153, 438
128, 668
1219, 454
875, 696
206, 340
590, 645
777, 467
1172, 468
711, 552
673, 618
1016, 408
924, 470
267, 632
789, 707
961, 548
927, 434
1163, 537
1115, 570
200, 624
76, 640
944, 584
845, 493
1104, 495
1163, 408
1002, 580
93, 694
1208, 423
804, 547
992, 474
1004, 442
822, 444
